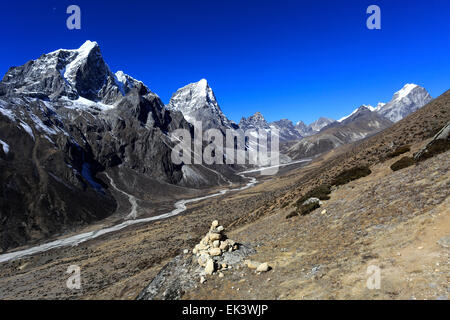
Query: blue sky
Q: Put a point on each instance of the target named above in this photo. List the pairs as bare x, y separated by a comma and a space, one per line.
287, 58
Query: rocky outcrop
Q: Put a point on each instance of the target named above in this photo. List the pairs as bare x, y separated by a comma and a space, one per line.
215, 255
440, 143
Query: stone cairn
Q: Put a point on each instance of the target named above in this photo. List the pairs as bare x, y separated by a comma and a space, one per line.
210, 250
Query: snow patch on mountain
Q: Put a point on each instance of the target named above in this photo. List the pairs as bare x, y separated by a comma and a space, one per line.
86, 104
27, 129
5, 146
6, 112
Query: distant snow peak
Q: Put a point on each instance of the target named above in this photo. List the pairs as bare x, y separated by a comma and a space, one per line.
368, 107
87, 46
197, 102
320, 123
405, 91
379, 106
193, 96
255, 121
257, 118
404, 102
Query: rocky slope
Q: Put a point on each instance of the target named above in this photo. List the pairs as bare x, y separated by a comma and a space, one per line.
328, 253
315, 256
325, 254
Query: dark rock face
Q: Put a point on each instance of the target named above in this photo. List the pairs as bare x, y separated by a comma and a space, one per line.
287, 130
64, 119
255, 121
303, 129
439, 144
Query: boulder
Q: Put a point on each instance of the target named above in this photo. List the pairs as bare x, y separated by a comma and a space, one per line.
202, 260
224, 245
263, 267
215, 236
215, 252
252, 264
311, 201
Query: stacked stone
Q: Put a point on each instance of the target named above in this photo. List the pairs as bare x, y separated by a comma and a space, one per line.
214, 244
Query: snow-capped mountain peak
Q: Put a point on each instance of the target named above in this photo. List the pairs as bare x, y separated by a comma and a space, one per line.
404, 102
379, 106
127, 83
66, 73
361, 108
193, 97
82, 55
320, 123
405, 91
256, 121
197, 102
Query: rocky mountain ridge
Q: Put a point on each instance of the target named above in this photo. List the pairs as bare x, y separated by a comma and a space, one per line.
66, 119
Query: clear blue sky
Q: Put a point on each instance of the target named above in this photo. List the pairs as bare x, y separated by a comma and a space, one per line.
288, 59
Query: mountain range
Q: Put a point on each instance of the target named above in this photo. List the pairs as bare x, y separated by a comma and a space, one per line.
75, 137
